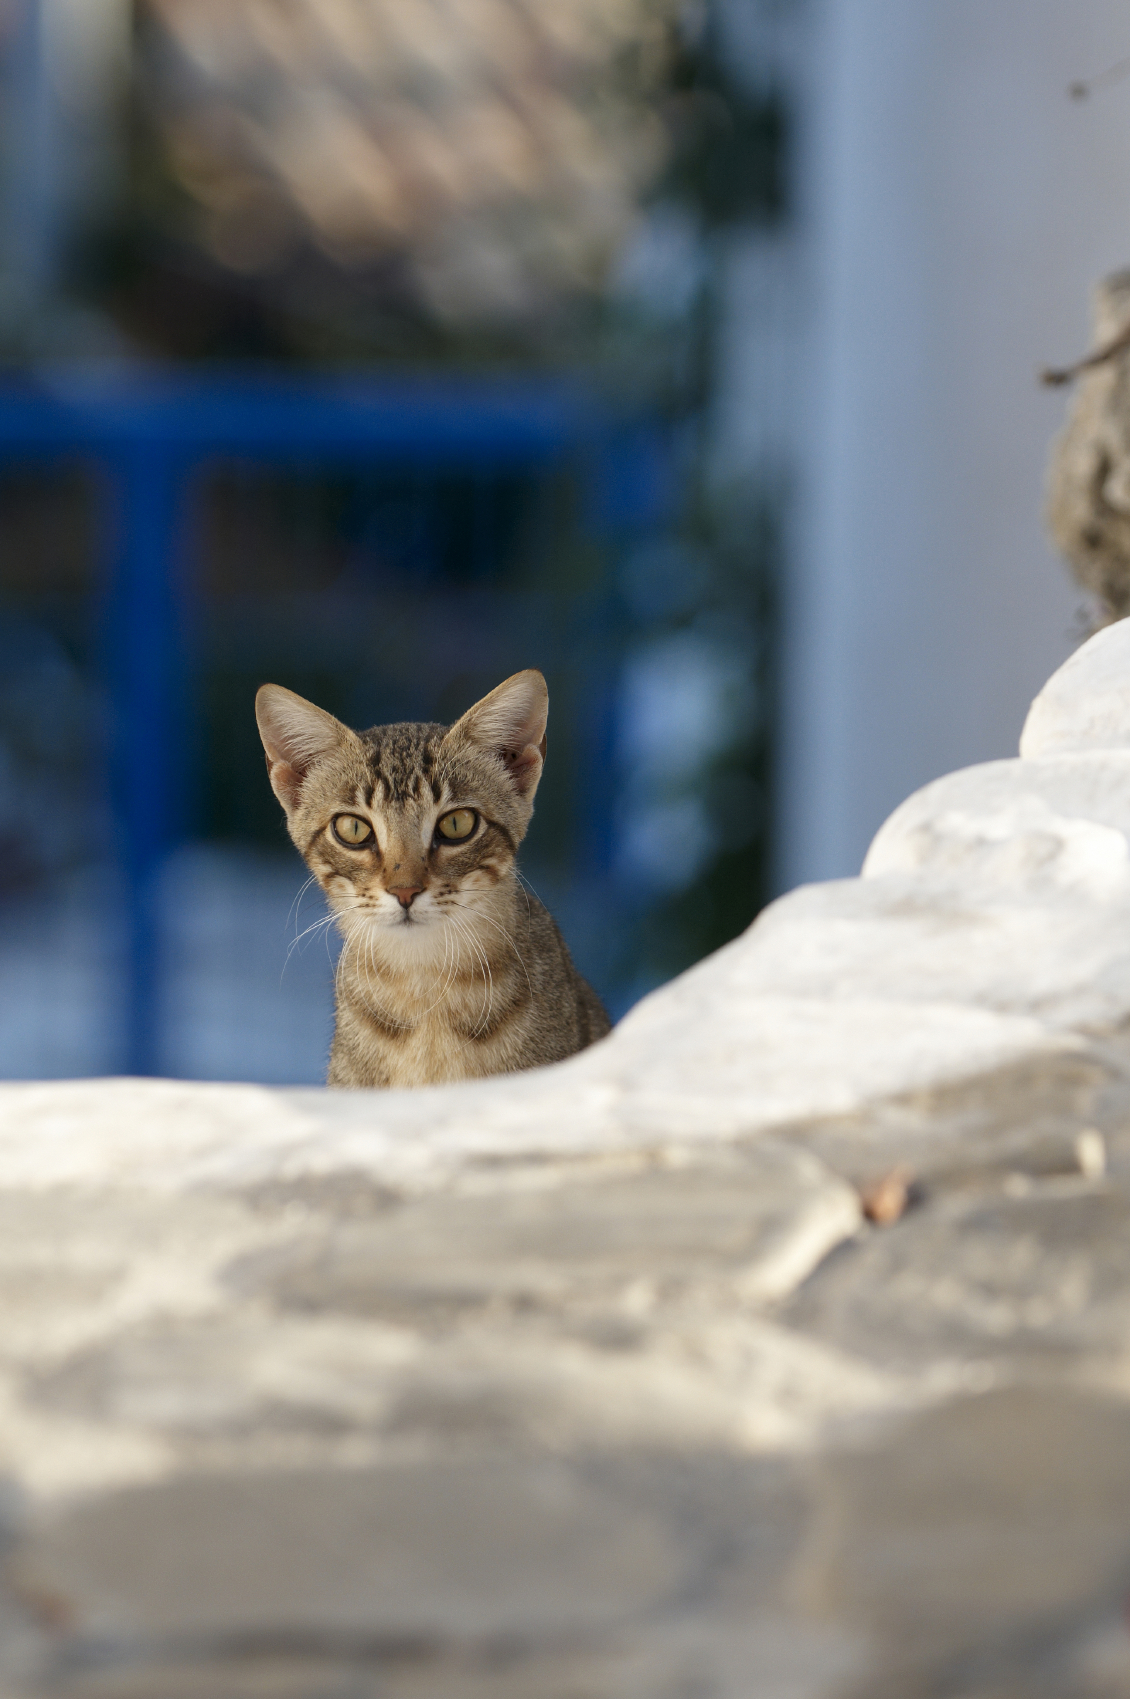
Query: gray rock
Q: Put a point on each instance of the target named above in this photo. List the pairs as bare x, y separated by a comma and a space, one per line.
426, 1574
1024, 1118
577, 1240
1033, 1275
973, 1542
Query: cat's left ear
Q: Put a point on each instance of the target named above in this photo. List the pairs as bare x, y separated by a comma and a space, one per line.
510, 722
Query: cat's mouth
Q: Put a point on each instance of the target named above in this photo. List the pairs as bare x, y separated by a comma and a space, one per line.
410, 917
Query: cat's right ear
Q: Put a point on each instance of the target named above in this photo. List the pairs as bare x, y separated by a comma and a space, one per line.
295, 736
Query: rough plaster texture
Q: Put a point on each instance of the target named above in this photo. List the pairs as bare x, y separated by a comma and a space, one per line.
597, 1383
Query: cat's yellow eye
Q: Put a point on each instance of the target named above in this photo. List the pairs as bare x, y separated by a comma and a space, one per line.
457, 825
351, 830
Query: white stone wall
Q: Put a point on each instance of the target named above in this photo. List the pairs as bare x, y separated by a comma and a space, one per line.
774, 1348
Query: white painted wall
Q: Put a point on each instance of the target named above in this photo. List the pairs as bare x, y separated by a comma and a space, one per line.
957, 207
63, 68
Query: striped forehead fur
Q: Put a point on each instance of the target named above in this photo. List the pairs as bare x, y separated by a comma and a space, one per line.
402, 755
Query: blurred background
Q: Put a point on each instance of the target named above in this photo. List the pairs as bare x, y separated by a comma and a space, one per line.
383, 347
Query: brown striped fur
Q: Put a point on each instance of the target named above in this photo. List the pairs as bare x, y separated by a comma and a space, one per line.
472, 977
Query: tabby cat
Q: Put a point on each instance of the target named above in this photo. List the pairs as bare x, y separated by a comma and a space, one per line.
450, 970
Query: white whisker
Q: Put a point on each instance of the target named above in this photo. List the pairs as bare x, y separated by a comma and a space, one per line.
448, 982
488, 977
326, 920
498, 926
298, 899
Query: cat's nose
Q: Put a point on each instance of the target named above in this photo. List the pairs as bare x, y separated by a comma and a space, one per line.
404, 894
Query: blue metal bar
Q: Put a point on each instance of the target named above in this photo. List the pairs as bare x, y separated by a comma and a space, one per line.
272, 417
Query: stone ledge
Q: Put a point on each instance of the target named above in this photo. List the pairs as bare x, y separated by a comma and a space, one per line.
595, 1383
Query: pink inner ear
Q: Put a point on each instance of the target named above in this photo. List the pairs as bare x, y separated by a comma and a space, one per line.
286, 782
522, 764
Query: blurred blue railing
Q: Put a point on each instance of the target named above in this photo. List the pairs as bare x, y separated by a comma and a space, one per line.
149, 434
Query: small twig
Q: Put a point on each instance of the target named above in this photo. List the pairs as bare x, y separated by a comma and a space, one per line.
1115, 74
1066, 374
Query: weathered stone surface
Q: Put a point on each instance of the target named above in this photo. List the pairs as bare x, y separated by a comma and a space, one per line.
1047, 828
1032, 1274
595, 1383
1083, 706
973, 1542
1025, 1119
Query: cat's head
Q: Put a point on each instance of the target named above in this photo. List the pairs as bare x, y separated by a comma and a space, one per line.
402, 824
